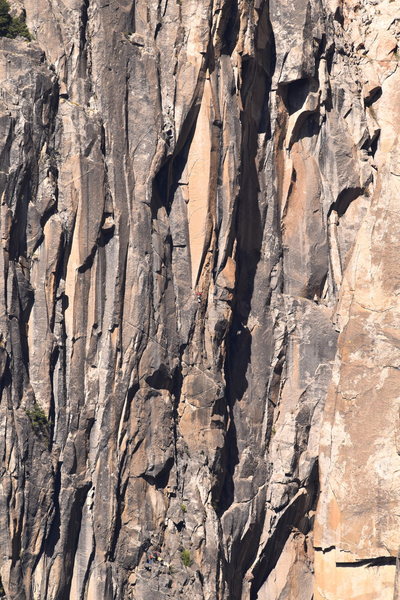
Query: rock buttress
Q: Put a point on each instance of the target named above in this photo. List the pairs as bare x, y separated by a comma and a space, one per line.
199, 275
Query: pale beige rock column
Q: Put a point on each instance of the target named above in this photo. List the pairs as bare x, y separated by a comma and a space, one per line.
358, 518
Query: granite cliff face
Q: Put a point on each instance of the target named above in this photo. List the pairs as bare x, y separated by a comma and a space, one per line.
199, 300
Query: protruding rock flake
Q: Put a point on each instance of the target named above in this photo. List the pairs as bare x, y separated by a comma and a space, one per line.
200, 300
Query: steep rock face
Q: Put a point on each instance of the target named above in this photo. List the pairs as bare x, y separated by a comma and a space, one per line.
198, 216
357, 521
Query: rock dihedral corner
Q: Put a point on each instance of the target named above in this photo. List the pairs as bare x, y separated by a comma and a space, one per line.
198, 308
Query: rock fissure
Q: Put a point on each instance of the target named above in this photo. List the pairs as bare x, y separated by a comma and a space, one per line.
199, 259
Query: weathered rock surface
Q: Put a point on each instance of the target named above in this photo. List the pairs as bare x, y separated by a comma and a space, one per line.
199, 315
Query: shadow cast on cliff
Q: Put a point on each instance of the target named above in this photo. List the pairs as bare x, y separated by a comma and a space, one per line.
248, 227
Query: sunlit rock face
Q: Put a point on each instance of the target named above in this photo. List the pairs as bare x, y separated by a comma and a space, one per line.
199, 300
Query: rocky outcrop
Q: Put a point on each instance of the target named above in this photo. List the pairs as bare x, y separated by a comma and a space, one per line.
357, 520
198, 322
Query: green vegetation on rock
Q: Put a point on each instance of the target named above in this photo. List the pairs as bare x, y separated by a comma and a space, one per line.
186, 558
38, 419
12, 27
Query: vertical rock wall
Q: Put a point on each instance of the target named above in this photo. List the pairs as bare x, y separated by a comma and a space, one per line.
199, 347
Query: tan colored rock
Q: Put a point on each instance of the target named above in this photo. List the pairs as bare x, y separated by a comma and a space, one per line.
356, 526
197, 200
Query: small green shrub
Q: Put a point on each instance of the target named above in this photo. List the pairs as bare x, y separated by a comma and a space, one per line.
186, 558
183, 508
12, 27
40, 422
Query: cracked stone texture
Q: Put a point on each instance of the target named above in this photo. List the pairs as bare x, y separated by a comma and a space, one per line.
199, 314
